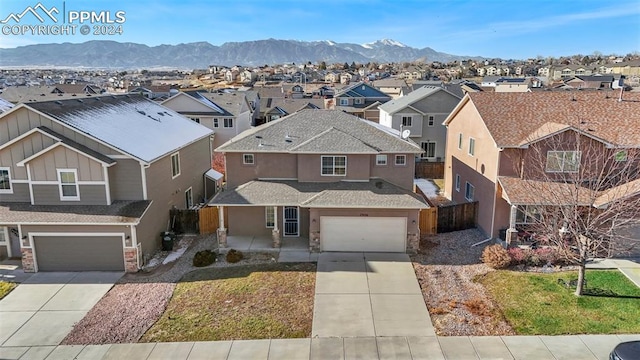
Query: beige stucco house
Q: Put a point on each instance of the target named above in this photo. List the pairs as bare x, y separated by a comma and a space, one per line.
324, 178
87, 184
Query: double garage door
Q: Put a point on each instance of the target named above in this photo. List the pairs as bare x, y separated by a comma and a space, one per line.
79, 253
354, 233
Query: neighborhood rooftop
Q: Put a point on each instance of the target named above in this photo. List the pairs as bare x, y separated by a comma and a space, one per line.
409, 100
131, 123
514, 118
312, 130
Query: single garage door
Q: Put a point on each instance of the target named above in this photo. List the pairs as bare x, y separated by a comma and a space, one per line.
355, 233
79, 253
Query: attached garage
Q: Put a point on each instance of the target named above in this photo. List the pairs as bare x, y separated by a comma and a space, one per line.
369, 234
79, 252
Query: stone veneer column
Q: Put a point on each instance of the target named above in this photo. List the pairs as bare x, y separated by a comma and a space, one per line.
275, 234
131, 260
314, 241
27, 260
222, 238
413, 242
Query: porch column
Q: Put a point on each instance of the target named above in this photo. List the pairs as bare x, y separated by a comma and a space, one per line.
512, 233
221, 232
275, 233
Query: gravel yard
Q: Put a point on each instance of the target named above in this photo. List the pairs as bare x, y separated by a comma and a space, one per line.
445, 268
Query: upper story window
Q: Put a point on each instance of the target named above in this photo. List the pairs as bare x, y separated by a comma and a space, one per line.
431, 120
563, 161
228, 122
68, 184
457, 182
216, 122
175, 165
469, 191
381, 159
334, 165
5, 181
196, 119
401, 160
406, 121
460, 141
358, 101
472, 146
248, 159
344, 101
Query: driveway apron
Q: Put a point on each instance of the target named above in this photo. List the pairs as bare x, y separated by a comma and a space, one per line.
368, 294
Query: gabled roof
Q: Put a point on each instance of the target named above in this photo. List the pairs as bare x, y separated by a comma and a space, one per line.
361, 89
512, 118
288, 133
536, 192
402, 102
199, 96
130, 123
616, 193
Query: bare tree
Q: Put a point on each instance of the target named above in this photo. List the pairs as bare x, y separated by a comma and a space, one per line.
583, 194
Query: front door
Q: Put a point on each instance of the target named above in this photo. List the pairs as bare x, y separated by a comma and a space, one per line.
291, 224
14, 239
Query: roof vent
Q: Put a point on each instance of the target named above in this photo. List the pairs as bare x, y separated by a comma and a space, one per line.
58, 102
160, 113
258, 137
80, 100
287, 136
288, 140
260, 144
141, 112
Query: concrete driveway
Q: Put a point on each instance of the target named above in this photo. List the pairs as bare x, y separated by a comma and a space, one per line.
368, 294
43, 309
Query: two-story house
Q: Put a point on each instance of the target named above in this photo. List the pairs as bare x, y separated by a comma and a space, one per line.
87, 184
492, 139
422, 113
227, 114
361, 100
276, 108
322, 177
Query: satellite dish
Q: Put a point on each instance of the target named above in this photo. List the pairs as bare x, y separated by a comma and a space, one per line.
405, 134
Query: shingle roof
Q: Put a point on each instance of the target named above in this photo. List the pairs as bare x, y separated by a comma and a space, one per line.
289, 132
362, 90
617, 193
131, 123
402, 102
536, 192
512, 118
82, 148
370, 194
125, 212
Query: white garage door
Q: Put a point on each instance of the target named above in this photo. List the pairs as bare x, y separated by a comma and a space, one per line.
355, 233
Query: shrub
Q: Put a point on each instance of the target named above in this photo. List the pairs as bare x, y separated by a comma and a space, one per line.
204, 258
496, 256
233, 256
535, 257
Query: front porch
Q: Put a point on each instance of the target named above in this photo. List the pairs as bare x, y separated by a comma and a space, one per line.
250, 243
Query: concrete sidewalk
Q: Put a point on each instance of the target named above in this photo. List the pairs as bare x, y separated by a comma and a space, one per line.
629, 267
574, 347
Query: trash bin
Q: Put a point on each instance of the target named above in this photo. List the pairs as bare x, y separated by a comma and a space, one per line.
168, 238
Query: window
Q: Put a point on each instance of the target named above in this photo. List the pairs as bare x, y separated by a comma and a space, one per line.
619, 156
344, 101
228, 122
68, 184
460, 141
563, 161
270, 216
406, 121
5, 181
431, 120
429, 148
175, 165
334, 165
472, 146
528, 214
196, 119
216, 123
401, 160
468, 191
358, 101
457, 182
248, 159
381, 159
188, 198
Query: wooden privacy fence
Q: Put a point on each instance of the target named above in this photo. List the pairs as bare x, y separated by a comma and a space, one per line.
429, 221
195, 221
430, 170
457, 217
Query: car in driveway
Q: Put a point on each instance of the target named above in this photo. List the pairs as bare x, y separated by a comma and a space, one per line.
629, 350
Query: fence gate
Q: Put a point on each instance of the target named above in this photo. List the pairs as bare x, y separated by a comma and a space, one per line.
428, 221
457, 217
184, 221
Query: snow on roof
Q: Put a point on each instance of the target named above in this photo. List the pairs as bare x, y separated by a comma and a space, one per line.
428, 188
133, 124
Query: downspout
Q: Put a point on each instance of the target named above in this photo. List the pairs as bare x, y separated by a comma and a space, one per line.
495, 195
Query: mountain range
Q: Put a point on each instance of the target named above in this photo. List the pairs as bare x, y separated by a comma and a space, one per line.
113, 54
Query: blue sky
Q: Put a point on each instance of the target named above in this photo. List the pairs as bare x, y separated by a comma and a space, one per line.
491, 28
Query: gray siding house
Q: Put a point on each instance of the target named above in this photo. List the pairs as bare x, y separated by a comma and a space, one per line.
422, 112
87, 184
323, 178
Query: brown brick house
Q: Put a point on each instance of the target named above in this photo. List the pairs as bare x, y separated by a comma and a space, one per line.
323, 176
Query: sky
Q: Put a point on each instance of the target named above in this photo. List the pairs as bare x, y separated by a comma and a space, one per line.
509, 29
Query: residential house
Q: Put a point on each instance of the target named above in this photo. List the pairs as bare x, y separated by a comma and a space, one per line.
567, 71
228, 114
332, 77
276, 108
422, 113
152, 91
513, 85
87, 184
323, 178
393, 87
359, 99
491, 136
590, 82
